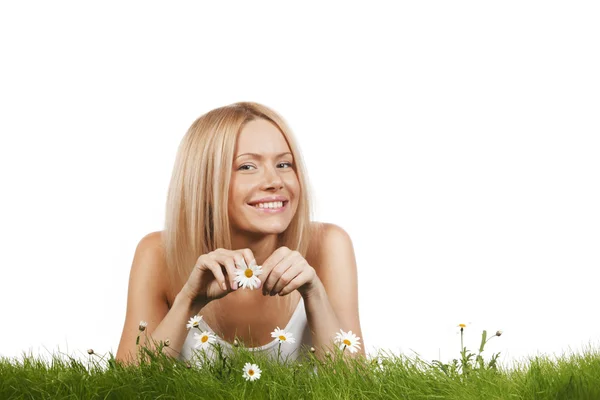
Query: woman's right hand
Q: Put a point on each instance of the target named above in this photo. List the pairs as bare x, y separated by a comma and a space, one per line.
214, 273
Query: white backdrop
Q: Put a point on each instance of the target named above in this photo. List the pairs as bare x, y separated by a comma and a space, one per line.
456, 142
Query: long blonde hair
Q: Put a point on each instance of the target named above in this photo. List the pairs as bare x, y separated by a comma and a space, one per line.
196, 220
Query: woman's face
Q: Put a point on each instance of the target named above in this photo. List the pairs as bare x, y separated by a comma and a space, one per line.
264, 190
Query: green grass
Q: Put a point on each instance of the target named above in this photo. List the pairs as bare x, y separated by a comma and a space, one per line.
576, 376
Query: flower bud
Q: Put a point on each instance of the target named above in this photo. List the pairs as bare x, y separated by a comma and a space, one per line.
167, 343
498, 333
312, 349
143, 325
235, 343
90, 351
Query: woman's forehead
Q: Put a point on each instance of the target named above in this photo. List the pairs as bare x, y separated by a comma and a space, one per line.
261, 137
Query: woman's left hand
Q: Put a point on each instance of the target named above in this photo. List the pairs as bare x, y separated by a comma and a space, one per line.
285, 271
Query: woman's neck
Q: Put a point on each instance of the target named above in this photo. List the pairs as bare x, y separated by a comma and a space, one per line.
261, 246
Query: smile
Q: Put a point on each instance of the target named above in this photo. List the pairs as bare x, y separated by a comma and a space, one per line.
270, 207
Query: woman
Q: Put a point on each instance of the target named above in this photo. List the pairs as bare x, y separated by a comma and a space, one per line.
239, 197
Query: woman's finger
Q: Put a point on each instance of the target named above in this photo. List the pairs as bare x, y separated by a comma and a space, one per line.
275, 258
296, 283
288, 276
248, 256
215, 268
225, 258
277, 271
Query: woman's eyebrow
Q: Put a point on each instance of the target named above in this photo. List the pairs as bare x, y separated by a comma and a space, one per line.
260, 156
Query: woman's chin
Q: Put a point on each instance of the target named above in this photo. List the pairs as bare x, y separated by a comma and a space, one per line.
270, 229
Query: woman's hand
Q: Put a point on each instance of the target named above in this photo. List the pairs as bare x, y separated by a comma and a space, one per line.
285, 271
214, 273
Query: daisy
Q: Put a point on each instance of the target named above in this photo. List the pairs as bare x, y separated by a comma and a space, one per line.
246, 276
143, 325
194, 322
251, 372
462, 327
283, 336
348, 339
205, 339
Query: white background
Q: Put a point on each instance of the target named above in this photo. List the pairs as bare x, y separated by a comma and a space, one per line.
456, 142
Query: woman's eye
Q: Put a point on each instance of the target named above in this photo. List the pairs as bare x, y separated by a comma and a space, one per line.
247, 167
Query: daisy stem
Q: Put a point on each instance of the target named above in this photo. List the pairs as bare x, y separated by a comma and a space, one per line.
278, 352
461, 339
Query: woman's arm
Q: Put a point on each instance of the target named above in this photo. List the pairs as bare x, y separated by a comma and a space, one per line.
332, 304
147, 301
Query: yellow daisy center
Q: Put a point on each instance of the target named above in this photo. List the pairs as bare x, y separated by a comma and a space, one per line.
462, 325
248, 273
281, 337
204, 339
347, 342
250, 372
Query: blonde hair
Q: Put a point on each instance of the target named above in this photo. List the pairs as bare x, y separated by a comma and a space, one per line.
196, 220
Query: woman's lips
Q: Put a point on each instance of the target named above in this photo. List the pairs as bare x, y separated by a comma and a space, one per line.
271, 210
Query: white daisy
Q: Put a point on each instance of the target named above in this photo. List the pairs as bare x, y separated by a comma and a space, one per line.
194, 322
246, 277
251, 372
349, 340
283, 336
205, 339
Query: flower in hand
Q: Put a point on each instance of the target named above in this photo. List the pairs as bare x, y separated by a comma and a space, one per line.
246, 276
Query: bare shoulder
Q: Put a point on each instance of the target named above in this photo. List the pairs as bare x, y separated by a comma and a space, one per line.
146, 295
151, 248
151, 253
326, 239
334, 262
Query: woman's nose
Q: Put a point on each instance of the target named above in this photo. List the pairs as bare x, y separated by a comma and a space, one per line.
271, 178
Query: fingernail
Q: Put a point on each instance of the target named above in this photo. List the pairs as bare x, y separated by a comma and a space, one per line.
224, 286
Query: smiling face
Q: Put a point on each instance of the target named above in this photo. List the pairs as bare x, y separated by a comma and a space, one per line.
264, 188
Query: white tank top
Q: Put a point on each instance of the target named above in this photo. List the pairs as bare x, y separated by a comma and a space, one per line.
297, 326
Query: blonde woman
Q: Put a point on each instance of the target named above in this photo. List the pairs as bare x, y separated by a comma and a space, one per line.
238, 198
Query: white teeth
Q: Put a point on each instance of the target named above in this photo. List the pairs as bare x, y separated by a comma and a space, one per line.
273, 204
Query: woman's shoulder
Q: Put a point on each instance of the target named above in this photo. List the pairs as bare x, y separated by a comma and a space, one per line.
152, 245
152, 250
324, 236
326, 231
